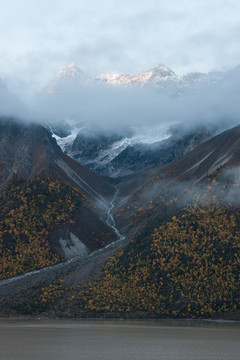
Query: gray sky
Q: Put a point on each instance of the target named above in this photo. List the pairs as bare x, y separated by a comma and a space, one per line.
38, 38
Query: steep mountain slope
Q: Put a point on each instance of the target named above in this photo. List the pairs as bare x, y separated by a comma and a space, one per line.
219, 152
121, 154
187, 267
137, 157
28, 149
183, 259
51, 207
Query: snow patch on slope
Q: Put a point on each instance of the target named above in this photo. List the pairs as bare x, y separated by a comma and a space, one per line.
73, 247
66, 142
146, 136
141, 136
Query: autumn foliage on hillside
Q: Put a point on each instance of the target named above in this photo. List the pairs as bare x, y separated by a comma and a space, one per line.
28, 214
184, 264
190, 268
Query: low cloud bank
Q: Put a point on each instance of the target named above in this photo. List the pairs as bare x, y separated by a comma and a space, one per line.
112, 108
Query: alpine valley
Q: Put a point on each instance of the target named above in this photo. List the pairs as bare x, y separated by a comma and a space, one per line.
137, 220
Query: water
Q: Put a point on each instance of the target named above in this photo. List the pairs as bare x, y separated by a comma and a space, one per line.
118, 340
110, 219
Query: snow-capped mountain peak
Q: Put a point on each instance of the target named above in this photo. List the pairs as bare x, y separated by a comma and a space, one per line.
71, 71
159, 70
158, 74
159, 77
70, 74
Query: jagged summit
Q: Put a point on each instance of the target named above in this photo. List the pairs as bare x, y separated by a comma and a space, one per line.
69, 75
156, 74
160, 69
162, 78
71, 70
159, 77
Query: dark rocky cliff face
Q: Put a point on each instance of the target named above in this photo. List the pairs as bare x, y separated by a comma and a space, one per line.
87, 148
90, 151
142, 157
25, 149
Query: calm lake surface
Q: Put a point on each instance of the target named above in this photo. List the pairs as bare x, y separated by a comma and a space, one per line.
118, 340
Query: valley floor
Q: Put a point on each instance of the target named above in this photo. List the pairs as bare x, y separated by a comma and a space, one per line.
76, 272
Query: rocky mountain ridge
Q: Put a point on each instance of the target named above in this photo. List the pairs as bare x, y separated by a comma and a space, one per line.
159, 77
117, 156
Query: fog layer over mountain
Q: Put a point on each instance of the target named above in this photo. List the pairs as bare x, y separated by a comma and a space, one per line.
10, 103
110, 109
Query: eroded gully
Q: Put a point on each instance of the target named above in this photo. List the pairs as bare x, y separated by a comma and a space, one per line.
14, 285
